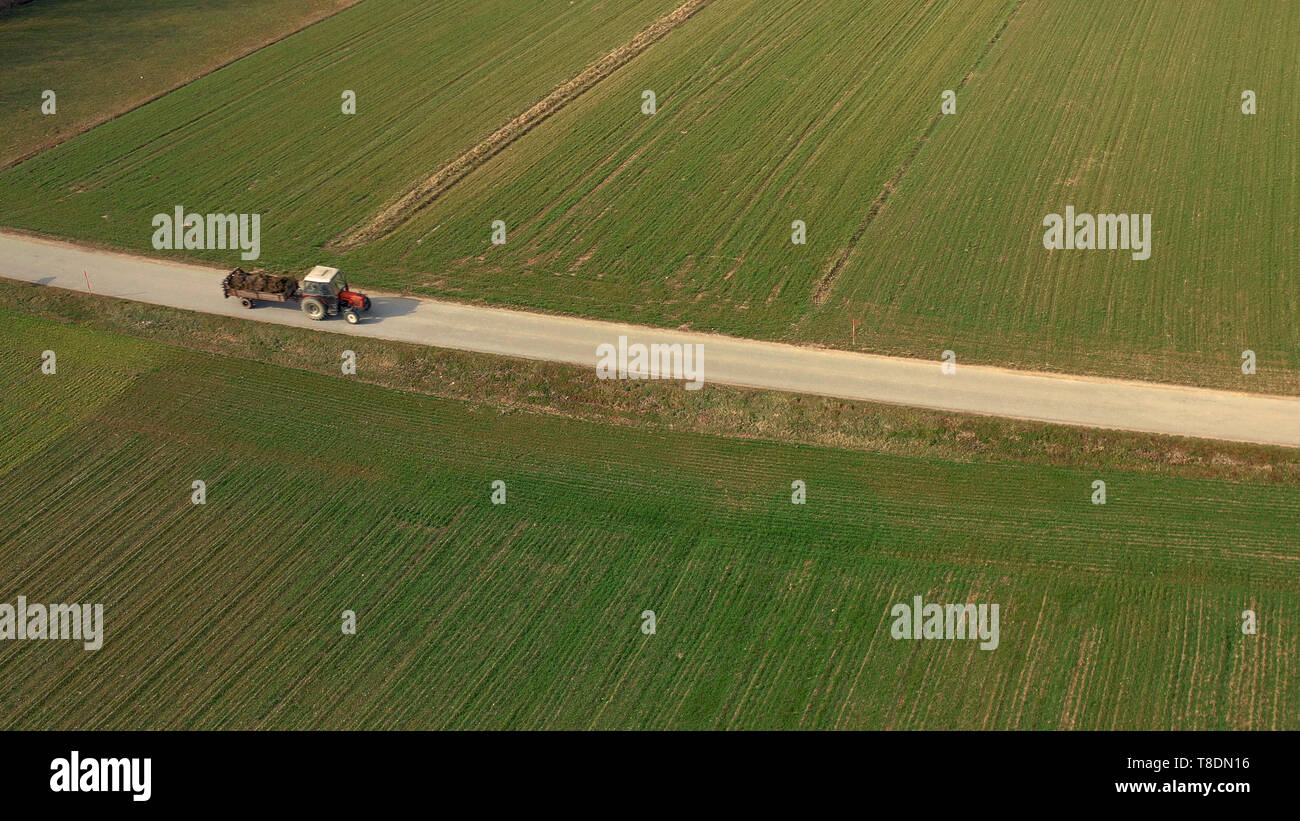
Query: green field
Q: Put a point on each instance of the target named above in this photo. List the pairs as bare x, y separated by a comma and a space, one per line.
924, 229
770, 112
325, 494
104, 57
267, 134
1132, 107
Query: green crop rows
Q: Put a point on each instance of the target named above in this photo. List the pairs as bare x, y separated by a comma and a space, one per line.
267, 134
103, 57
1132, 107
326, 495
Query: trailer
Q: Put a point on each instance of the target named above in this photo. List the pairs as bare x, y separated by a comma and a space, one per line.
236, 282
324, 292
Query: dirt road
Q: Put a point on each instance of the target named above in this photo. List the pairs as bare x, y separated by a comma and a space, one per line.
1043, 397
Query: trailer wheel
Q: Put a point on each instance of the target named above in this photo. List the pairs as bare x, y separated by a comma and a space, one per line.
246, 302
351, 316
313, 308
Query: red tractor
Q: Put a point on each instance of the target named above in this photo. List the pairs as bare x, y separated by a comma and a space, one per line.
325, 293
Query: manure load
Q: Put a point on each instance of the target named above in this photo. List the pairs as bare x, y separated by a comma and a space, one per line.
241, 280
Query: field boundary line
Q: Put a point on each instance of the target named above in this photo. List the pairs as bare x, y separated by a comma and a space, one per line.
822, 291
397, 213
108, 118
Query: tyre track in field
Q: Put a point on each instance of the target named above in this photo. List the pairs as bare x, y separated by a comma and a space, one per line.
822, 291
399, 212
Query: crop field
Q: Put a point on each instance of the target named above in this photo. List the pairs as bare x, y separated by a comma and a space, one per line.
769, 112
103, 57
924, 231
267, 134
324, 494
1129, 107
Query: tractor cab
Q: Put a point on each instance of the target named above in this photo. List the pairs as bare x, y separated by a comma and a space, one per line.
325, 293
324, 282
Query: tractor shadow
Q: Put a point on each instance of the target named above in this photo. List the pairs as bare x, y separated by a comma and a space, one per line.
382, 307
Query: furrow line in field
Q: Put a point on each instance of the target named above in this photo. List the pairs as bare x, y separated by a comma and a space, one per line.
822, 291
421, 196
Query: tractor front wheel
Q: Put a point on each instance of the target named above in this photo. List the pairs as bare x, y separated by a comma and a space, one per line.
351, 316
313, 308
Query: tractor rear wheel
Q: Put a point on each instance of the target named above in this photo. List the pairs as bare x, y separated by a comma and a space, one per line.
313, 308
